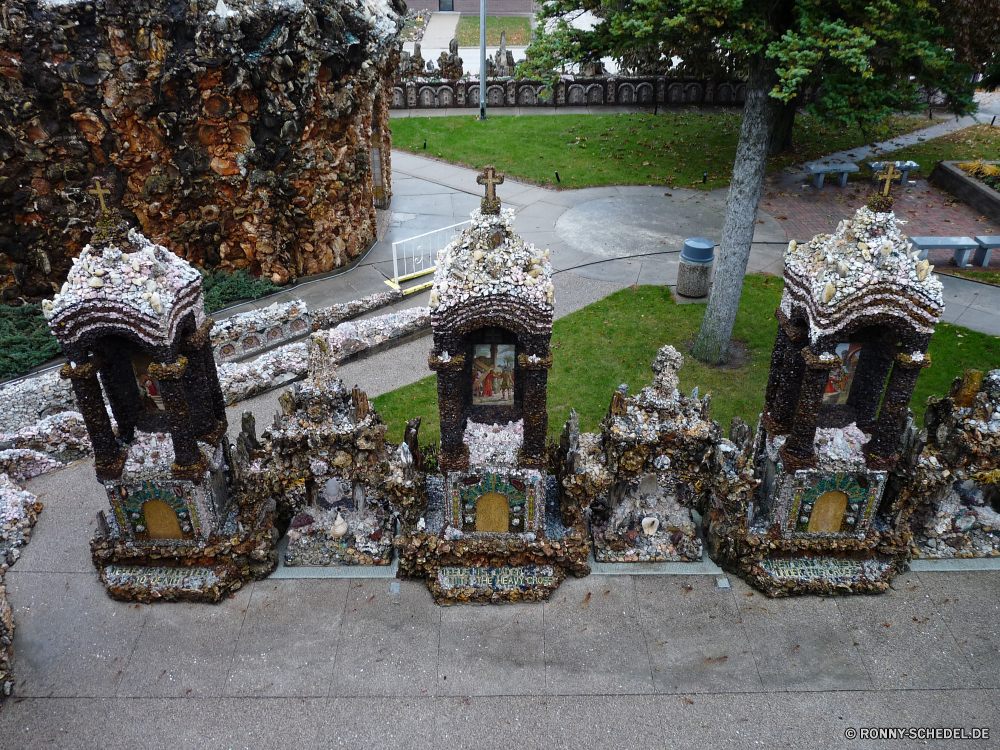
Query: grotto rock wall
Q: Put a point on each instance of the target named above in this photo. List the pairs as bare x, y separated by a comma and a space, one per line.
239, 139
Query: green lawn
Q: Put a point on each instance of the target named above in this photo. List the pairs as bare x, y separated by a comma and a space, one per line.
977, 142
673, 148
614, 341
518, 31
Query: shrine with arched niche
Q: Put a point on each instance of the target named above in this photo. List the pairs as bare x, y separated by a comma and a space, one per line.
856, 317
131, 320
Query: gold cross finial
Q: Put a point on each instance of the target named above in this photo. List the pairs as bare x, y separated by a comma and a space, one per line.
490, 204
100, 193
888, 173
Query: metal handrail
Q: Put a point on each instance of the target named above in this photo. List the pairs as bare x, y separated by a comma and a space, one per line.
422, 261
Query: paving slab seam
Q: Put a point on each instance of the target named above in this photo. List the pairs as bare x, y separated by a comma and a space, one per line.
236, 642
340, 639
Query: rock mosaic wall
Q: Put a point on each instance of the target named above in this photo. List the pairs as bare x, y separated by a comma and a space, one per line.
18, 512
325, 461
237, 137
951, 488
658, 457
432, 93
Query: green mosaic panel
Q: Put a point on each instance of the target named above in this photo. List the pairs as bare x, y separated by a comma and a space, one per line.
861, 502
128, 502
522, 505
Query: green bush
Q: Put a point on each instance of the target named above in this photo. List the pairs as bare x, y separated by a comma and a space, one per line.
25, 339
223, 289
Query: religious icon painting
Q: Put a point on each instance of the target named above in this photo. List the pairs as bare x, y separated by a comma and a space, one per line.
493, 375
838, 387
149, 389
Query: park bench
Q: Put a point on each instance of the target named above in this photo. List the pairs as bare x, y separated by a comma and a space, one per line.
962, 247
903, 168
987, 244
819, 170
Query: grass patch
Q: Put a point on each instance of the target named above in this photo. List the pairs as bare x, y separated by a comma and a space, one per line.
977, 142
223, 289
614, 341
674, 148
518, 31
25, 339
987, 277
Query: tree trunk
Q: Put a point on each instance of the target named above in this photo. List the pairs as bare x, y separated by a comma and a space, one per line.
781, 135
712, 343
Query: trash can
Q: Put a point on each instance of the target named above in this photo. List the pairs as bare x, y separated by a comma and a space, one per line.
695, 271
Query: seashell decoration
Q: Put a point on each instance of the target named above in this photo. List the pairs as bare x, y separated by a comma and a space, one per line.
650, 524
923, 269
340, 527
829, 292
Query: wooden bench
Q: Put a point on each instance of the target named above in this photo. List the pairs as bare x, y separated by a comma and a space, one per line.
819, 170
962, 247
903, 167
987, 244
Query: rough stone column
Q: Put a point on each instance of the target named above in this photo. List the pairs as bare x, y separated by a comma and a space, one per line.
454, 454
866, 390
198, 348
880, 452
784, 381
536, 422
108, 456
798, 453
188, 461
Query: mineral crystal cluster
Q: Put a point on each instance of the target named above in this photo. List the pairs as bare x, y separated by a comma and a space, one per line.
249, 134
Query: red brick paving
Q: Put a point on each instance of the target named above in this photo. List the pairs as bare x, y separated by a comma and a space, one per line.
805, 212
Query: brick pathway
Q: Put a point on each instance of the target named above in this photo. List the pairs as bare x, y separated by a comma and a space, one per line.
805, 212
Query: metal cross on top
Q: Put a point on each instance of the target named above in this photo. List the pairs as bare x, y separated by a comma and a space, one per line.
490, 204
100, 193
887, 173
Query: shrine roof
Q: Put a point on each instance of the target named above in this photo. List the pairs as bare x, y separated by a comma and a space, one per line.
490, 259
126, 281
867, 267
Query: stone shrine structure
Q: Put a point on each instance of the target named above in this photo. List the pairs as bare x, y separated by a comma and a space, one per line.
449, 63
855, 320
131, 320
496, 530
326, 464
249, 135
657, 458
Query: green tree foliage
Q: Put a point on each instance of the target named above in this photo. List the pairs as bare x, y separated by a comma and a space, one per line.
223, 289
977, 36
25, 339
853, 61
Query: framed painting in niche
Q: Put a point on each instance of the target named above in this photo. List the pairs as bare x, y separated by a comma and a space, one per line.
149, 389
493, 375
838, 387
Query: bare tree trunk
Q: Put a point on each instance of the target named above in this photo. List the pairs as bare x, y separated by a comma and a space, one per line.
781, 135
712, 343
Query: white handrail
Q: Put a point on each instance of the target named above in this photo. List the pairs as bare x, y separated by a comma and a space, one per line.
418, 255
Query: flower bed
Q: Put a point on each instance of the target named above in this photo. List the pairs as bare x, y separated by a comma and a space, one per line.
947, 175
